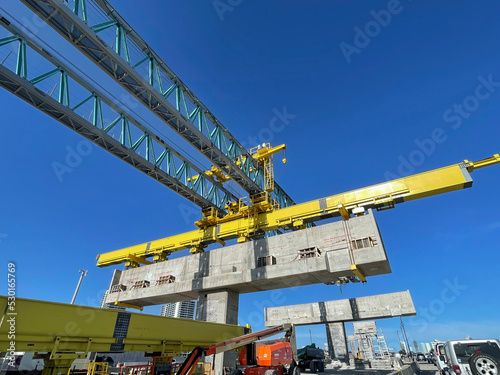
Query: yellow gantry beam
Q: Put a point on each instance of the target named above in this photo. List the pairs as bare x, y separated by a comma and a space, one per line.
384, 195
71, 331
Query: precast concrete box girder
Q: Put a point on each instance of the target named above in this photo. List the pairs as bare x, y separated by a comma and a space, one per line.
345, 310
322, 254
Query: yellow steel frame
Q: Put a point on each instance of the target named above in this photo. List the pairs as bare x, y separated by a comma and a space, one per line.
246, 221
97, 368
264, 155
66, 332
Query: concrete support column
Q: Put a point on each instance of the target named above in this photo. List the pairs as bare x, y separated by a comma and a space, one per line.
219, 306
337, 342
352, 342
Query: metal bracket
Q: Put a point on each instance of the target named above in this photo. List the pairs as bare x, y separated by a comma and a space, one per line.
358, 273
128, 305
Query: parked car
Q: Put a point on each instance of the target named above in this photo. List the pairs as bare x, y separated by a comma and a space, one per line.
421, 357
479, 357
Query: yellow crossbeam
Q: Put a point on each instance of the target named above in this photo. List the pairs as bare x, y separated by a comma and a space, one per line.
380, 196
66, 330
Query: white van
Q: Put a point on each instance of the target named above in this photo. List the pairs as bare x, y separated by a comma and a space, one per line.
440, 357
473, 357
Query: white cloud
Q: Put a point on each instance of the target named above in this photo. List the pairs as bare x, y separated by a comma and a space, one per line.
493, 226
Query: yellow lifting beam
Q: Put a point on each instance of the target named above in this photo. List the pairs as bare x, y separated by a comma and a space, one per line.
66, 332
214, 172
250, 222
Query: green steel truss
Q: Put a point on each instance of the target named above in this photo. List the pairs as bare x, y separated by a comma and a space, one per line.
102, 121
99, 32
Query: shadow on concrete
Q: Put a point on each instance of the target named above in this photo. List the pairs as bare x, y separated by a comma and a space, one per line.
260, 249
424, 369
427, 369
348, 371
203, 271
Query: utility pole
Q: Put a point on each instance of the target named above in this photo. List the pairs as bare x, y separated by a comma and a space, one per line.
82, 273
403, 331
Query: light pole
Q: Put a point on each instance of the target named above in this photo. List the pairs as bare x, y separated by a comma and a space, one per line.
403, 332
82, 273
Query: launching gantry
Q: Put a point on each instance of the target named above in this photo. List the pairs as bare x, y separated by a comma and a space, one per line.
225, 216
249, 220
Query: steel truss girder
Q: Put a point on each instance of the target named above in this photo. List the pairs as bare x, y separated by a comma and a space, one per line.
204, 192
71, 27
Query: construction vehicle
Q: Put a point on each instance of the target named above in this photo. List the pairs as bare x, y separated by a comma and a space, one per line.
312, 358
255, 358
266, 358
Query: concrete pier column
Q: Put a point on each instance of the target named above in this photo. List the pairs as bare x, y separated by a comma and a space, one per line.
219, 306
337, 342
352, 343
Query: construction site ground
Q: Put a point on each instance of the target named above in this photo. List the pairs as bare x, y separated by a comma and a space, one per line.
423, 369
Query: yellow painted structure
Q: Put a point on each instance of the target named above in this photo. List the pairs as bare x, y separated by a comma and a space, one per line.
264, 156
260, 215
64, 332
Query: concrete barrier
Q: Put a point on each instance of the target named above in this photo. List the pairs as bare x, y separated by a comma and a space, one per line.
411, 369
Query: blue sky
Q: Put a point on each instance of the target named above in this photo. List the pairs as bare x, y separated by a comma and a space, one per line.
401, 99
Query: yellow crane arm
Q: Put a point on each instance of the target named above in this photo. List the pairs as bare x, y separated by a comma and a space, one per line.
380, 196
266, 152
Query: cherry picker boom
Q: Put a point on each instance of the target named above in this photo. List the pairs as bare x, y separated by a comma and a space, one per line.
259, 216
256, 358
